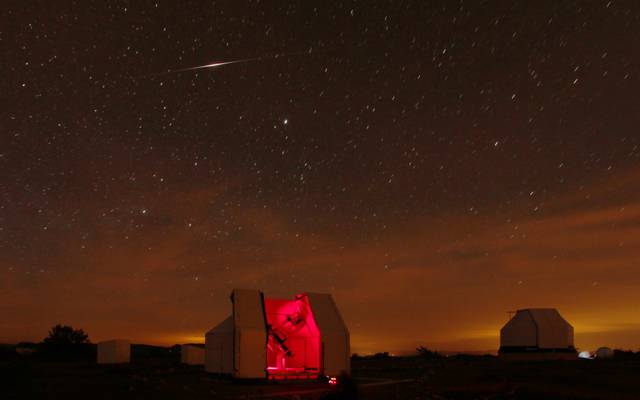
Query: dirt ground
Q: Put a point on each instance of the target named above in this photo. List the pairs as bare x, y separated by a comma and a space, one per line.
389, 378
491, 378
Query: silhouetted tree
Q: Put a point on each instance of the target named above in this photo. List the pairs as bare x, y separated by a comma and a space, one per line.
63, 335
426, 353
63, 341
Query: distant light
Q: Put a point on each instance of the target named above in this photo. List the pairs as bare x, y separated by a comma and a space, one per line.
585, 354
285, 121
333, 380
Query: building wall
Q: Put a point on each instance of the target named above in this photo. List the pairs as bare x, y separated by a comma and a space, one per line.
219, 348
192, 355
250, 335
553, 331
114, 352
334, 334
520, 331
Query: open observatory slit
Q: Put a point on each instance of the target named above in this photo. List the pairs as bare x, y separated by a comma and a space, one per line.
293, 339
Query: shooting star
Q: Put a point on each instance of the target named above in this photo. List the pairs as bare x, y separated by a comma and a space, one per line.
206, 66
214, 65
223, 63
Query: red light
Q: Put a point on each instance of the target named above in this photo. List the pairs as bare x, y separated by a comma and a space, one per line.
293, 345
333, 380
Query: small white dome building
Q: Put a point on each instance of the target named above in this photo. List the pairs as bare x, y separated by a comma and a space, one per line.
585, 355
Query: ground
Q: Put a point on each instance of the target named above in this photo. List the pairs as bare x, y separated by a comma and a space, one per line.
160, 376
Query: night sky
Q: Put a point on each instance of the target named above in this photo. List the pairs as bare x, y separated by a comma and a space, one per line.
433, 165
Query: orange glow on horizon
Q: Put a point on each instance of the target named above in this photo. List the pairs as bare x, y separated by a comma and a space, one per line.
445, 283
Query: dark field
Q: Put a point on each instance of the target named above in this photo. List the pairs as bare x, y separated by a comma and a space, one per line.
156, 374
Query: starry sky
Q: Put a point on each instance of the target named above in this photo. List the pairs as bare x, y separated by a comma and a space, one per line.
433, 165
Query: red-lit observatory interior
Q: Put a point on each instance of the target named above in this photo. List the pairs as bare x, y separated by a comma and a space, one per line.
293, 346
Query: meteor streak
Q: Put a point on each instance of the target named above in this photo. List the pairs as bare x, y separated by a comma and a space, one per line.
214, 65
222, 63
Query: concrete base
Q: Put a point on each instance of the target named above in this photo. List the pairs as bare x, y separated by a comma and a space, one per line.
538, 356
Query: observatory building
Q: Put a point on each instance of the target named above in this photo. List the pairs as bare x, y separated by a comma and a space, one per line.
300, 338
537, 334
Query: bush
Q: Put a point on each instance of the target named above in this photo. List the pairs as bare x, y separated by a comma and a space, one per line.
64, 341
63, 335
625, 354
426, 353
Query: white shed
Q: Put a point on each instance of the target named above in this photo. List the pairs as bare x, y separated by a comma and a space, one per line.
538, 330
192, 354
604, 352
117, 351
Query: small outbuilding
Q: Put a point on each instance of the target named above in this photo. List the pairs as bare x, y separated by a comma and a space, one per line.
537, 334
604, 352
300, 338
192, 354
219, 348
116, 351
